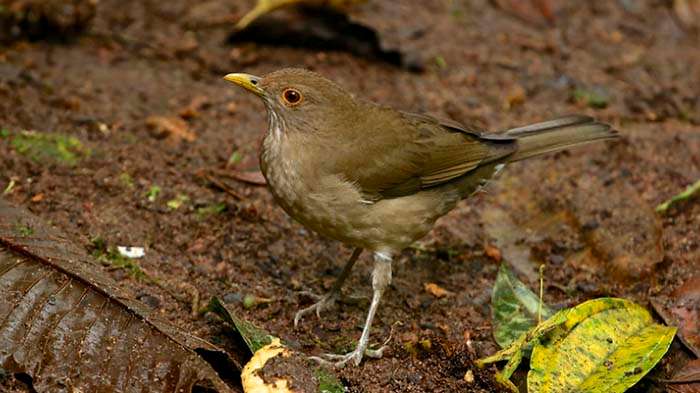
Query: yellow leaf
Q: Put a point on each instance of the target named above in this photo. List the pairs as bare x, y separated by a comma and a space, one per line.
605, 345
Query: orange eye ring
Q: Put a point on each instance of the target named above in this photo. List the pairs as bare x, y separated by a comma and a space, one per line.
291, 97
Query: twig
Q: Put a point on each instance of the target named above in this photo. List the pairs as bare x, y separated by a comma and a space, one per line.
221, 185
686, 194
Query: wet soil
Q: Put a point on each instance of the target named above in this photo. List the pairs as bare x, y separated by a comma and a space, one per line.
631, 64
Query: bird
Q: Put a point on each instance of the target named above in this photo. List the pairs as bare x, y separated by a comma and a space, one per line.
376, 178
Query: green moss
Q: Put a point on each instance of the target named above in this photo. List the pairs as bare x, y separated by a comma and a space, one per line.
126, 180
210, 210
23, 230
43, 147
178, 201
595, 97
328, 382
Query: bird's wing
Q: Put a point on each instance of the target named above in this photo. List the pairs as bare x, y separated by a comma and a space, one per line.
426, 153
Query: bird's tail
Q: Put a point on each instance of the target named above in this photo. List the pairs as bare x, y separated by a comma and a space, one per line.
558, 134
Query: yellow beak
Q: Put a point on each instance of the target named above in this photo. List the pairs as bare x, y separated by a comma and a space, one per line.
246, 81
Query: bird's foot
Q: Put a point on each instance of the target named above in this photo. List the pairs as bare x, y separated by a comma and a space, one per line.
354, 357
322, 303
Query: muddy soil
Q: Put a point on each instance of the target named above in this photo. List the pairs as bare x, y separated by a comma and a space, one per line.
141, 90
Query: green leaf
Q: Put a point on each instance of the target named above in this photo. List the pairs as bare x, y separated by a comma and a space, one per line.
42, 147
254, 337
514, 307
605, 345
515, 351
596, 97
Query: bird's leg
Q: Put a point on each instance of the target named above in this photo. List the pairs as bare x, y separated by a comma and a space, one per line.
328, 299
381, 278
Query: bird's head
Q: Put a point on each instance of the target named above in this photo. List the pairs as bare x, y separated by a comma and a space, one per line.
299, 100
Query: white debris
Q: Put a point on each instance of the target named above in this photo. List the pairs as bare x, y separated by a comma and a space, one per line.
131, 252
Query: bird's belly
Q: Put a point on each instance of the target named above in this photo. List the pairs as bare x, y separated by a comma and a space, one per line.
334, 208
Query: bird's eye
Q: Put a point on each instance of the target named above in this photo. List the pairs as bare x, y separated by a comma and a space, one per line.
291, 97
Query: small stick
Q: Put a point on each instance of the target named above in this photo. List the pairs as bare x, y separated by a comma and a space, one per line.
539, 306
686, 194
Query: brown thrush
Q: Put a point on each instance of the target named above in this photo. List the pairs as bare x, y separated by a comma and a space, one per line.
377, 178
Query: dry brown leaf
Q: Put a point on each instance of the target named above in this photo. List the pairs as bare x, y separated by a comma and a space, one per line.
71, 328
436, 290
192, 109
592, 224
687, 12
174, 129
683, 310
687, 379
492, 252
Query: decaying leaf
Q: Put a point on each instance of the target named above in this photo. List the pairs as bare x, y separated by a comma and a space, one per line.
436, 290
70, 328
275, 368
683, 310
687, 379
687, 12
602, 345
172, 128
377, 30
254, 337
593, 224
514, 308
606, 345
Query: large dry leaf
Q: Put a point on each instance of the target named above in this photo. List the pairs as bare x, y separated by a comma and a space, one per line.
682, 309
588, 221
70, 328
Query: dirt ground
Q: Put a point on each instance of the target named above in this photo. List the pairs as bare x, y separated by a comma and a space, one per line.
141, 88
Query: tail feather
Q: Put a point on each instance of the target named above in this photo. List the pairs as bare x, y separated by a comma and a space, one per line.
558, 134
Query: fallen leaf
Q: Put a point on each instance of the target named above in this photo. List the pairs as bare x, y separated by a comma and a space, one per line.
192, 109
492, 252
436, 290
69, 327
263, 7
687, 12
605, 345
601, 345
254, 337
514, 308
514, 97
683, 310
378, 31
595, 225
286, 371
174, 129
688, 373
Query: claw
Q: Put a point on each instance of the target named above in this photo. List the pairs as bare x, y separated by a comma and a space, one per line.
323, 303
354, 357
